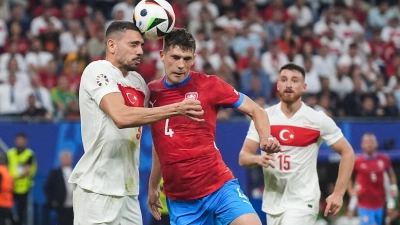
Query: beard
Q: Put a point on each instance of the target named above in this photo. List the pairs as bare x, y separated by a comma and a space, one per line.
128, 66
289, 99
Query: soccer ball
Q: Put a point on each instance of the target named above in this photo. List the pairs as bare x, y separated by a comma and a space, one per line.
154, 18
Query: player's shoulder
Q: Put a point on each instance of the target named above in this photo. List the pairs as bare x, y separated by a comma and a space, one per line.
202, 78
382, 156
156, 84
273, 109
98, 67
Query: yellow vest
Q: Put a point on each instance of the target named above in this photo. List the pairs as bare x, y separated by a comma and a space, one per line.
15, 161
163, 199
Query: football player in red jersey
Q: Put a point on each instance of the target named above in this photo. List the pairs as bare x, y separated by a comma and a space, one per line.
369, 172
200, 188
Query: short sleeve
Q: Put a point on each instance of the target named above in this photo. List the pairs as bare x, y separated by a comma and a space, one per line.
224, 94
388, 164
98, 80
252, 133
330, 132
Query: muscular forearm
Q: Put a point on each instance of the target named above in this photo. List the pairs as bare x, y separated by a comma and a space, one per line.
248, 159
345, 170
261, 123
136, 116
155, 176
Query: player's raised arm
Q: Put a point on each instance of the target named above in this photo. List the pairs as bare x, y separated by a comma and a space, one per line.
335, 200
124, 116
261, 123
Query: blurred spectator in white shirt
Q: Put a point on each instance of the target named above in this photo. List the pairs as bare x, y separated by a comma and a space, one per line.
380, 15
39, 24
391, 32
334, 45
70, 41
341, 84
195, 7
312, 78
351, 58
5, 10
272, 61
12, 99
95, 45
300, 13
347, 29
229, 21
42, 94
12, 53
37, 59
324, 63
3, 34
204, 23
127, 6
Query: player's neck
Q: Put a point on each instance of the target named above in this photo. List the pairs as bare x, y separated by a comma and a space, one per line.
115, 64
289, 109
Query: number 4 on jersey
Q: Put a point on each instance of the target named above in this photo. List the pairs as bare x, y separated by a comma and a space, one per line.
168, 131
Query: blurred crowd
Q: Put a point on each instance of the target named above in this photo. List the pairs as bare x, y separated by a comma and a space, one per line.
350, 50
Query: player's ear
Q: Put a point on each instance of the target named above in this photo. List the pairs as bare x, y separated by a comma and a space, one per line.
194, 57
304, 87
162, 55
111, 46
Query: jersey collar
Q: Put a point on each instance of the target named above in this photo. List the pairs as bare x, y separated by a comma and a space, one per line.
176, 85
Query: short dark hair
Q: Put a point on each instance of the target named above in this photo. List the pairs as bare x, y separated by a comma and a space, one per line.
21, 134
179, 37
295, 67
120, 26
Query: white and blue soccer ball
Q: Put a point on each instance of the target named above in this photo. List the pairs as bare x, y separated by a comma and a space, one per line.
154, 18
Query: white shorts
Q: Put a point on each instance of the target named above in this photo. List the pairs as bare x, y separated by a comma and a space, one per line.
292, 216
91, 208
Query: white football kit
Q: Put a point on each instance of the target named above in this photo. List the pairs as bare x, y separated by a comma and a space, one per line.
293, 184
109, 168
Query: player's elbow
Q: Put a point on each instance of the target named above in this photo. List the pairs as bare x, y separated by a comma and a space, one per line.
242, 161
119, 122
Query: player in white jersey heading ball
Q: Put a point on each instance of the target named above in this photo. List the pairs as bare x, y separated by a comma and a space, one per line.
291, 193
112, 100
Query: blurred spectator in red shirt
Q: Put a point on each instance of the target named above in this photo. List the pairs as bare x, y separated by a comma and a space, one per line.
15, 35
39, 9
276, 5
250, 6
147, 67
73, 75
181, 13
50, 75
359, 10
80, 9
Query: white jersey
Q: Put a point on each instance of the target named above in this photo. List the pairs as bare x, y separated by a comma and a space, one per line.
110, 164
293, 183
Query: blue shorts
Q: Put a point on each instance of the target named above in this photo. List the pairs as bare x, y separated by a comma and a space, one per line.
370, 216
220, 207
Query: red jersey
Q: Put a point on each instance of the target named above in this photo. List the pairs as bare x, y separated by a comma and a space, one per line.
191, 164
369, 173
